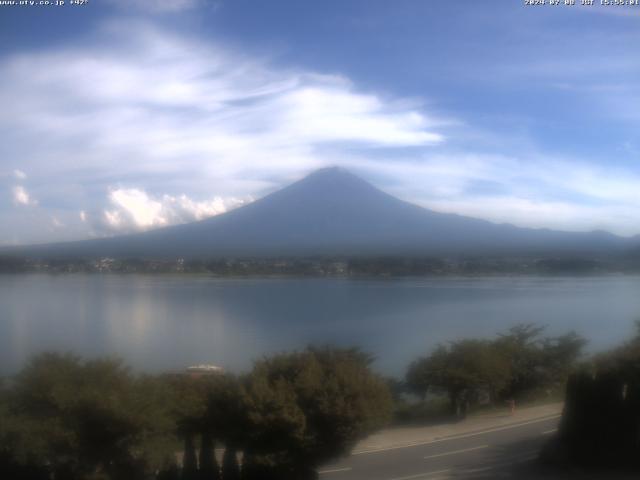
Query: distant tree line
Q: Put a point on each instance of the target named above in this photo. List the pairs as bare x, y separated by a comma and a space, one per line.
339, 266
65, 418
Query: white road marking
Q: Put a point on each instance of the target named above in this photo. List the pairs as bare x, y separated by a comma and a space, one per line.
334, 470
456, 437
547, 432
477, 470
456, 451
420, 475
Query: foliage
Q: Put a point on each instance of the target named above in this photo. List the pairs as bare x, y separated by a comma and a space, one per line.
209, 468
230, 467
463, 370
512, 366
189, 459
600, 426
225, 417
536, 362
80, 418
624, 360
308, 407
69, 418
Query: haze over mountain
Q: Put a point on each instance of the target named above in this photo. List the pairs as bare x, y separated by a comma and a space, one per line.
333, 212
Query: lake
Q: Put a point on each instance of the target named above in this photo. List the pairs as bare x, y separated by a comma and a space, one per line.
158, 323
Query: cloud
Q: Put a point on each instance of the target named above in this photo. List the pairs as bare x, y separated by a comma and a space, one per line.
191, 129
22, 197
134, 210
334, 113
166, 113
546, 213
532, 190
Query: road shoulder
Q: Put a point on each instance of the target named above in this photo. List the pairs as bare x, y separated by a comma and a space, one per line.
402, 437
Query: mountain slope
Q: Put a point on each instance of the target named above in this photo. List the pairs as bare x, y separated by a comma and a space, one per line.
332, 211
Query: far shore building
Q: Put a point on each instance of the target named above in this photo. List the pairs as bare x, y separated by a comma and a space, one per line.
204, 370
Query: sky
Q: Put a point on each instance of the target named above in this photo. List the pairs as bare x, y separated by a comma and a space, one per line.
126, 115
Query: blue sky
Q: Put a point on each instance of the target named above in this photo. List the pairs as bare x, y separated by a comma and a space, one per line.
121, 116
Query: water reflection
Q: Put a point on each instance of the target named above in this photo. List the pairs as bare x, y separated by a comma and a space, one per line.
163, 322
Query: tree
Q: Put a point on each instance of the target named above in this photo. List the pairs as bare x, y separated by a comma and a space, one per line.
195, 415
306, 408
75, 419
169, 472
230, 467
225, 418
464, 370
521, 345
512, 366
209, 468
538, 362
86, 417
189, 459
600, 422
560, 356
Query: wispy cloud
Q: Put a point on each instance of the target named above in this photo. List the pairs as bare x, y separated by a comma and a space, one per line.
56, 223
168, 114
22, 197
156, 129
532, 190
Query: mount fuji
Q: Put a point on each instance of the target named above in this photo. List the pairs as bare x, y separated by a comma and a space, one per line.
334, 212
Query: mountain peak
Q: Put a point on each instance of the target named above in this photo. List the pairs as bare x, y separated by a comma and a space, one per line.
333, 174
333, 171
332, 211
326, 186
329, 179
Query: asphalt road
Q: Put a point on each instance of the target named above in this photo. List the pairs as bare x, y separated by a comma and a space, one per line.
502, 452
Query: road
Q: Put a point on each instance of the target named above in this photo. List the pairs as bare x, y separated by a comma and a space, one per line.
502, 452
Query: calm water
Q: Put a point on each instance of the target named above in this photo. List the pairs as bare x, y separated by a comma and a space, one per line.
163, 322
